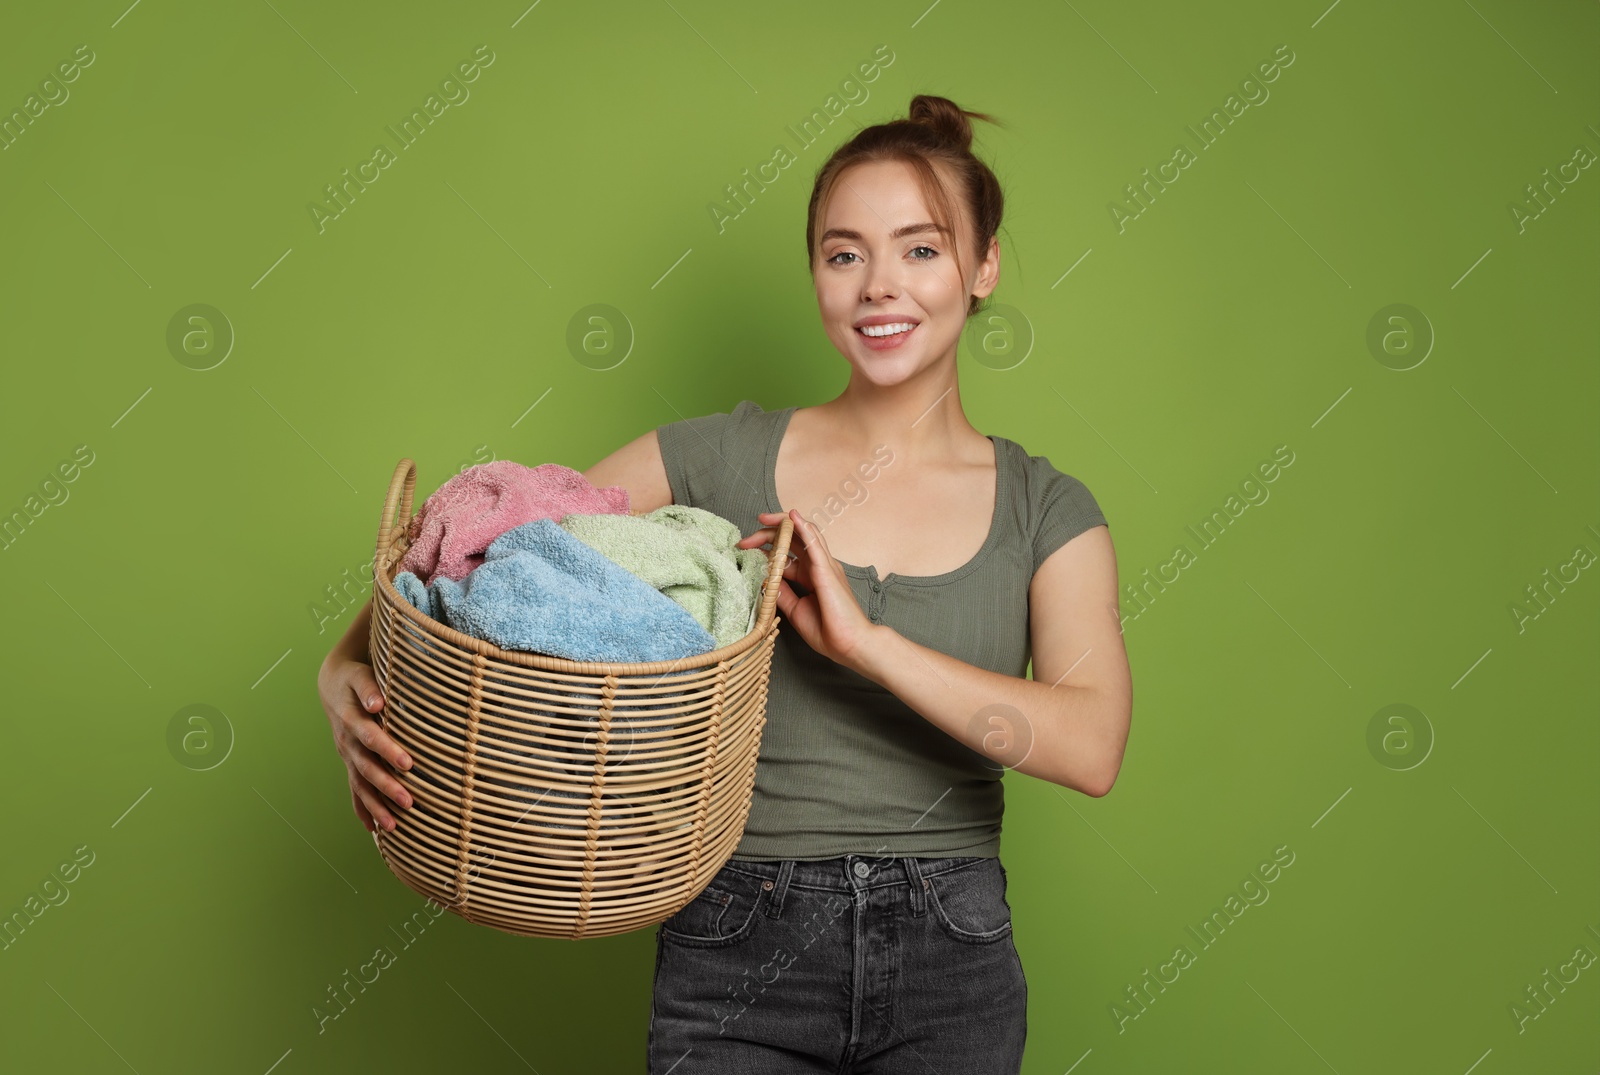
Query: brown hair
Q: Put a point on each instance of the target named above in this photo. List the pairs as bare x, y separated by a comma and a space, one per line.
936, 130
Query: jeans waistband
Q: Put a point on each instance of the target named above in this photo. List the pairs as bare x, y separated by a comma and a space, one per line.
850, 874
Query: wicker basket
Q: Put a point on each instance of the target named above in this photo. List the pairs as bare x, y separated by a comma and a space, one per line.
557, 798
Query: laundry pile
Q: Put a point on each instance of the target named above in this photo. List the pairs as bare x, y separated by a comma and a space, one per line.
537, 559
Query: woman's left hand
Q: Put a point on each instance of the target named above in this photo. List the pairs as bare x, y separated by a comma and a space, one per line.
826, 614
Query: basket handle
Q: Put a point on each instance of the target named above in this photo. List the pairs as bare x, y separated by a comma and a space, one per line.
401, 486
777, 562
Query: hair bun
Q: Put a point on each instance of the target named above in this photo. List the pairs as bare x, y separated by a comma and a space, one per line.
944, 116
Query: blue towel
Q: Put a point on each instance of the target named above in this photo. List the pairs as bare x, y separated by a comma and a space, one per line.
542, 590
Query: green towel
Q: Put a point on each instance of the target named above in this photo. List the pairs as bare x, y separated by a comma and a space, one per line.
688, 554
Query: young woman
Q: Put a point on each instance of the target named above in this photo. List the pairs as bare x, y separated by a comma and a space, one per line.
862, 923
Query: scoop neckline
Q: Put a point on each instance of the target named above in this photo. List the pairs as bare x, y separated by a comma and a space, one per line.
870, 571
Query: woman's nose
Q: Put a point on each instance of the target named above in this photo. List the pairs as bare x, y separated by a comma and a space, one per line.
879, 286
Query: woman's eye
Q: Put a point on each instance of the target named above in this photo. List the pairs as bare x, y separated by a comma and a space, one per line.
932, 253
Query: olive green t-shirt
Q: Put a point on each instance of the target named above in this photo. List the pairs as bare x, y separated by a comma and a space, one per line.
846, 766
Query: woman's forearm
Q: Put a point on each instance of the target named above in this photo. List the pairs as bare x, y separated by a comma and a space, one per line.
353, 644
1072, 736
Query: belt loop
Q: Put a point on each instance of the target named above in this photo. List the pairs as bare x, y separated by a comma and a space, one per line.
780, 888
918, 886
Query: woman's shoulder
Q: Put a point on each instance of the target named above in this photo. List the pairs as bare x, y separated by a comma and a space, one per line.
1056, 504
698, 452
715, 421
741, 412
707, 438
1037, 471
750, 426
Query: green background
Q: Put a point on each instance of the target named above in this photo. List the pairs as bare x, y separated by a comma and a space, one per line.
1230, 318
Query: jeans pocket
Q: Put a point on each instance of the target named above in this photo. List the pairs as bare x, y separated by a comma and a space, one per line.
969, 902
724, 912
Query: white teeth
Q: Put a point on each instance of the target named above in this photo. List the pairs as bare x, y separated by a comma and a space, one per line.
888, 330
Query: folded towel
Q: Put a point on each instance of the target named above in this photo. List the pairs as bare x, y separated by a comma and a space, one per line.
450, 534
542, 590
688, 554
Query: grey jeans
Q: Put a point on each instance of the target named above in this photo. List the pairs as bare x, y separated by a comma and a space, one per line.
852, 964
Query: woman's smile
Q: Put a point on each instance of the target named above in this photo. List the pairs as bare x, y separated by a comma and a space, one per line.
893, 339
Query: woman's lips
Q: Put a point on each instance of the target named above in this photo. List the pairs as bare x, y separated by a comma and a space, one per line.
887, 343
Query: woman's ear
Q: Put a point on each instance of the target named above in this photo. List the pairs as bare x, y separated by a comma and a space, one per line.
988, 270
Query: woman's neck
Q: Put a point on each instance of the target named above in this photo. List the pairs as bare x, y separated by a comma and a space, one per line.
924, 420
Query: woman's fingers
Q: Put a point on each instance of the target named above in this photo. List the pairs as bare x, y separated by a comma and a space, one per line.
371, 803
805, 530
351, 696
370, 734
365, 764
366, 742
766, 533
361, 809
365, 686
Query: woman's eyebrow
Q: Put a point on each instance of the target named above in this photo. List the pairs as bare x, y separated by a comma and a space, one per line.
901, 232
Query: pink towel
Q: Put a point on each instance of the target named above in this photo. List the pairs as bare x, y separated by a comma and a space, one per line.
451, 533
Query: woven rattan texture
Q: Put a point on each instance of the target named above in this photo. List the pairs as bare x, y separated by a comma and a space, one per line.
557, 798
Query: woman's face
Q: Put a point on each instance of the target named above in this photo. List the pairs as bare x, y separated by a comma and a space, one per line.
865, 272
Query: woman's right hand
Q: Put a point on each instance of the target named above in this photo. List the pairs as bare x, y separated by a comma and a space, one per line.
349, 693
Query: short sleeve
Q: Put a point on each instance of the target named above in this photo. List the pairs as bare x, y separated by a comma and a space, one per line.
1062, 509
696, 454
